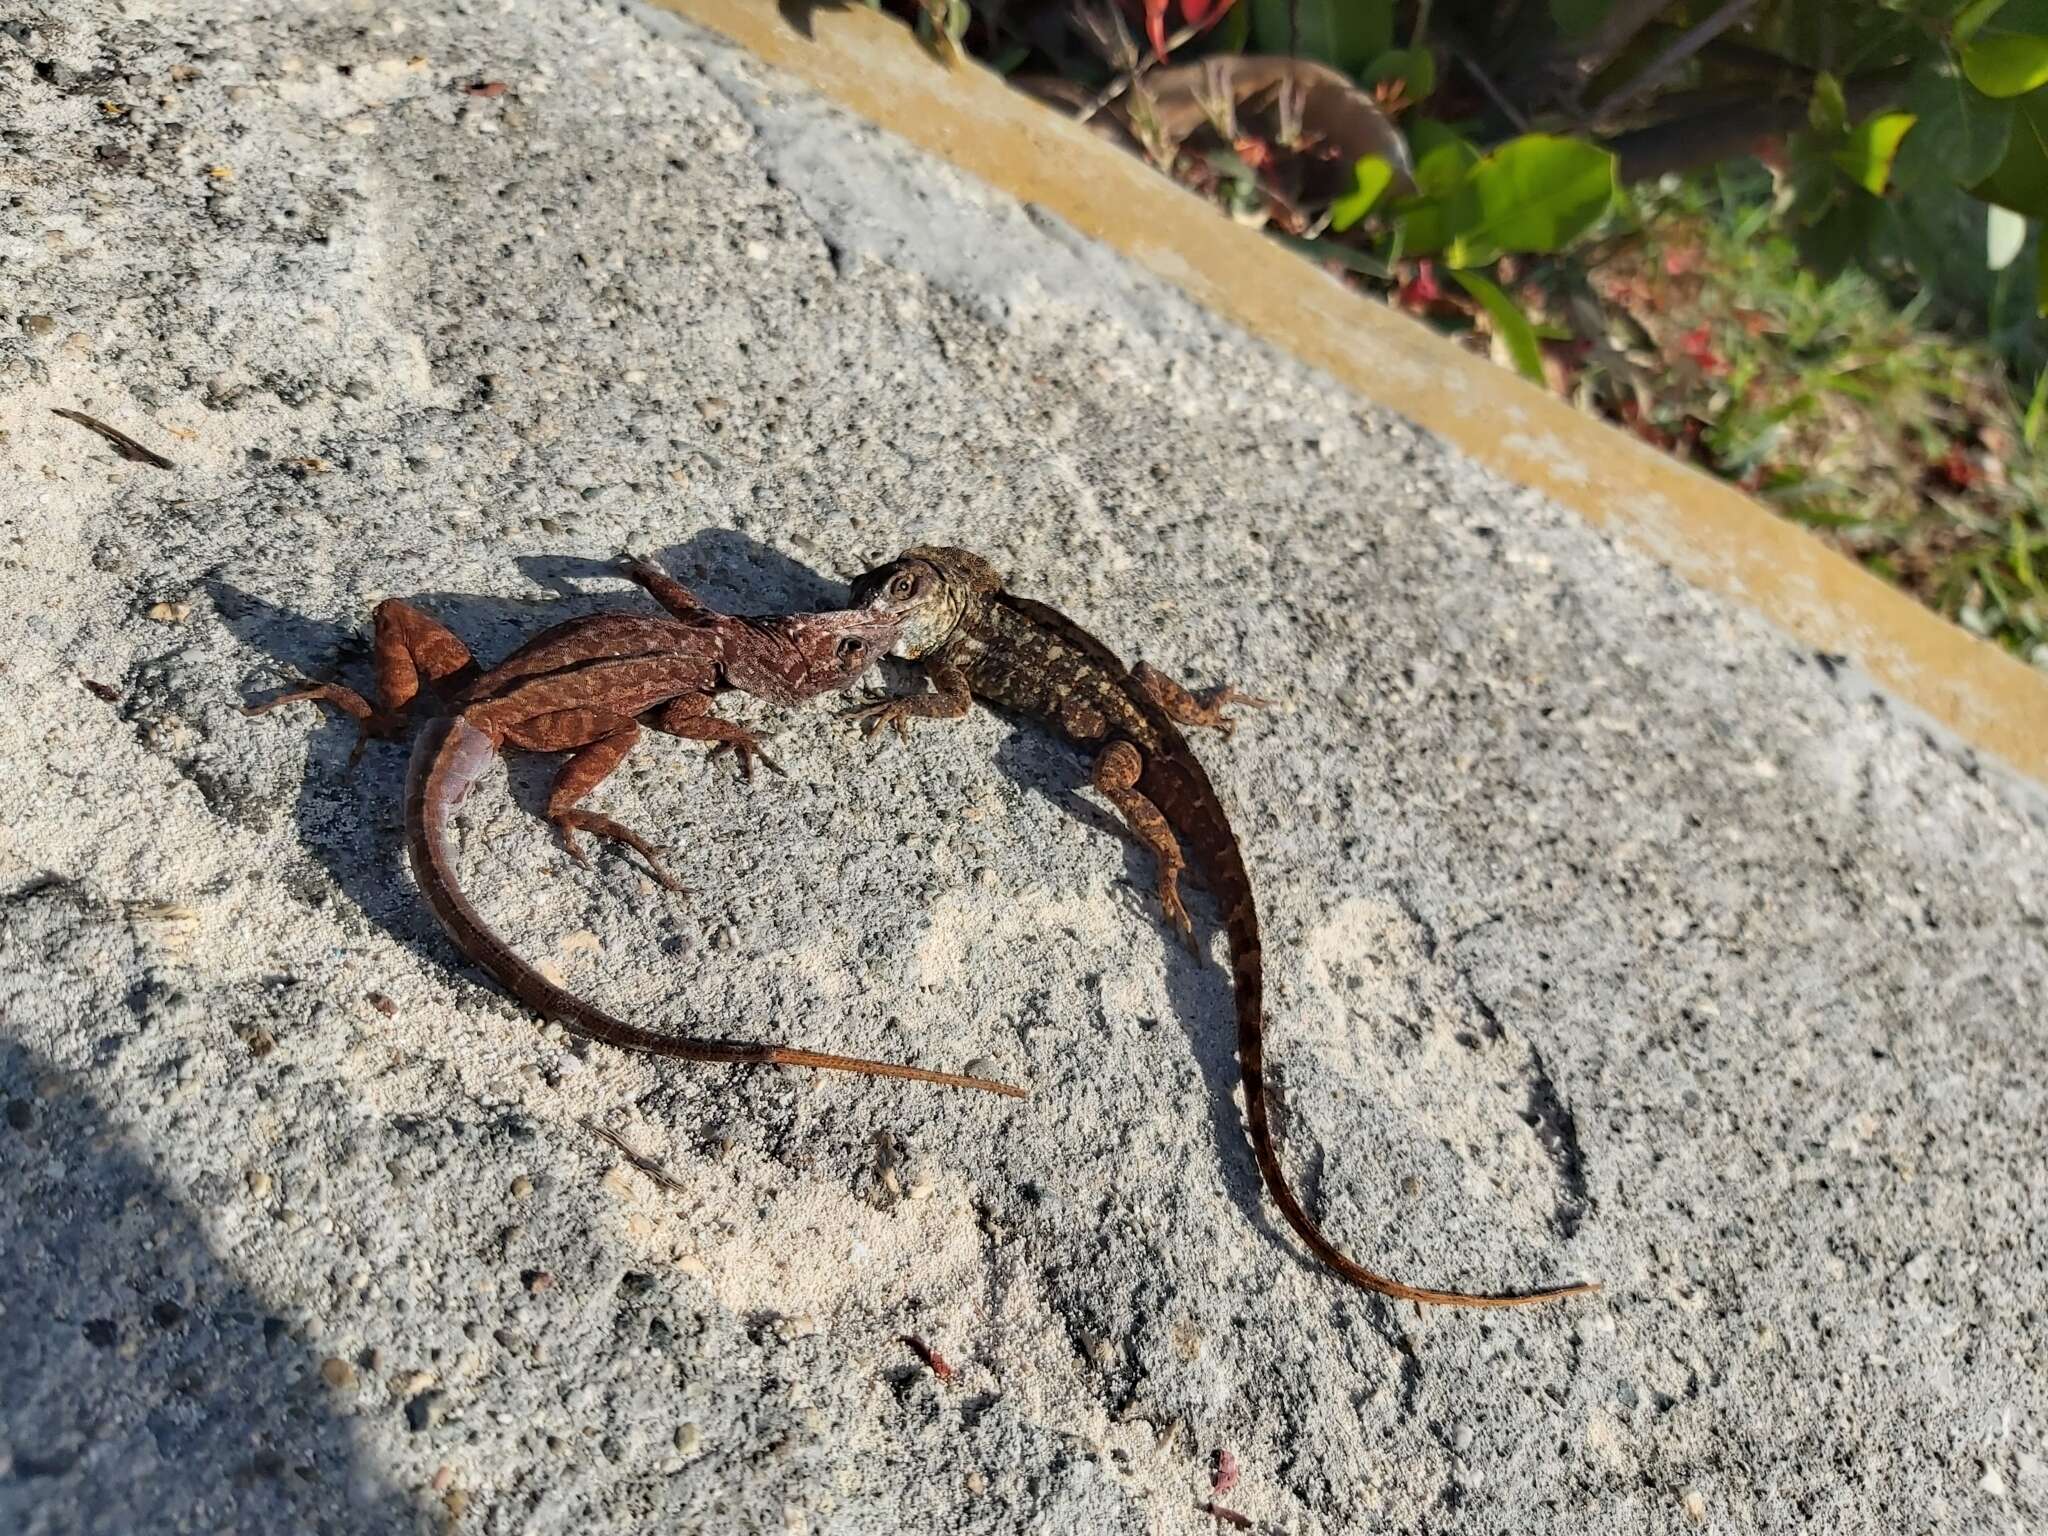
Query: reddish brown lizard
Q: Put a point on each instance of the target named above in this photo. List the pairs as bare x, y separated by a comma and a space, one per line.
585, 687
977, 640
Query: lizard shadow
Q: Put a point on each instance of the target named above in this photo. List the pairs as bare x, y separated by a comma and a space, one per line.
1199, 991
149, 1386
350, 819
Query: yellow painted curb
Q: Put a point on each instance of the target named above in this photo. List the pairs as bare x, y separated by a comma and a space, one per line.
1706, 531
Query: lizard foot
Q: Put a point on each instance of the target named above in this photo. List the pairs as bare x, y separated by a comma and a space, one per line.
876, 717
568, 822
747, 751
1215, 700
1176, 910
372, 724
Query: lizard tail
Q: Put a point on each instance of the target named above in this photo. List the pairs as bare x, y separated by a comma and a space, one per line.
450, 756
1232, 888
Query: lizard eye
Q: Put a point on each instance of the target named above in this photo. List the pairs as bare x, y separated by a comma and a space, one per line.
850, 650
903, 585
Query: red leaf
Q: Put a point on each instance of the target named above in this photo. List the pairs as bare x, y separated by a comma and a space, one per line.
1957, 469
935, 1361
1698, 344
1155, 27
1422, 289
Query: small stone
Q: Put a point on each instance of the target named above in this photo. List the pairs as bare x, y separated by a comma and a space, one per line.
537, 1281
101, 1333
170, 613
688, 1438
382, 1004
337, 1373
984, 1066
37, 325
258, 1182
1411, 1186
443, 1476
262, 1043
977, 1483
456, 1502
426, 1410
1695, 1507
985, 878
619, 1184
521, 1187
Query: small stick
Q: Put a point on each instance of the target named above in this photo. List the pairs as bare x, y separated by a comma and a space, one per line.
646, 1165
124, 445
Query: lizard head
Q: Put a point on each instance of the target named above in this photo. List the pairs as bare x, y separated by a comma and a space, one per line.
929, 589
835, 647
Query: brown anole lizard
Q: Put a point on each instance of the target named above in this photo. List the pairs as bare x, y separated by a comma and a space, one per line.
585, 687
977, 640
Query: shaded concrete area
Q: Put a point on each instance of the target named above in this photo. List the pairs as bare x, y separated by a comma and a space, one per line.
1611, 934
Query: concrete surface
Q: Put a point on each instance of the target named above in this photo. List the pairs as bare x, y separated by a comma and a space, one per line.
1611, 934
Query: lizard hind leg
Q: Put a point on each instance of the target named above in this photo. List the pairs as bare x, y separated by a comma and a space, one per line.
405, 646
599, 742
1117, 769
1185, 707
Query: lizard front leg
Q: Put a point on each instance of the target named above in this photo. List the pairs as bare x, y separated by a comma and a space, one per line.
405, 646
664, 588
948, 700
1185, 707
690, 718
600, 741
1117, 769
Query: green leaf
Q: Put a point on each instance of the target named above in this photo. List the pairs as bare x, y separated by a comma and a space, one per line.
1443, 205
1348, 257
1444, 168
2040, 312
1828, 112
2006, 52
1846, 234
1347, 33
2037, 408
1231, 33
2004, 233
1973, 16
1509, 323
1959, 134
2021, 180
1867, 157
1534, 193
1575, 18
1370, 177
1415, 68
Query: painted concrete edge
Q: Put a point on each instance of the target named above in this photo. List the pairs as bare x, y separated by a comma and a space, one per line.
1706, 531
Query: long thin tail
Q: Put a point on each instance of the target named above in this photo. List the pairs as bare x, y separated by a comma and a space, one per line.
450, 756
1232, 888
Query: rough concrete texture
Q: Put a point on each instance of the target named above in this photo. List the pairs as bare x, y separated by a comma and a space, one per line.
1610, 936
